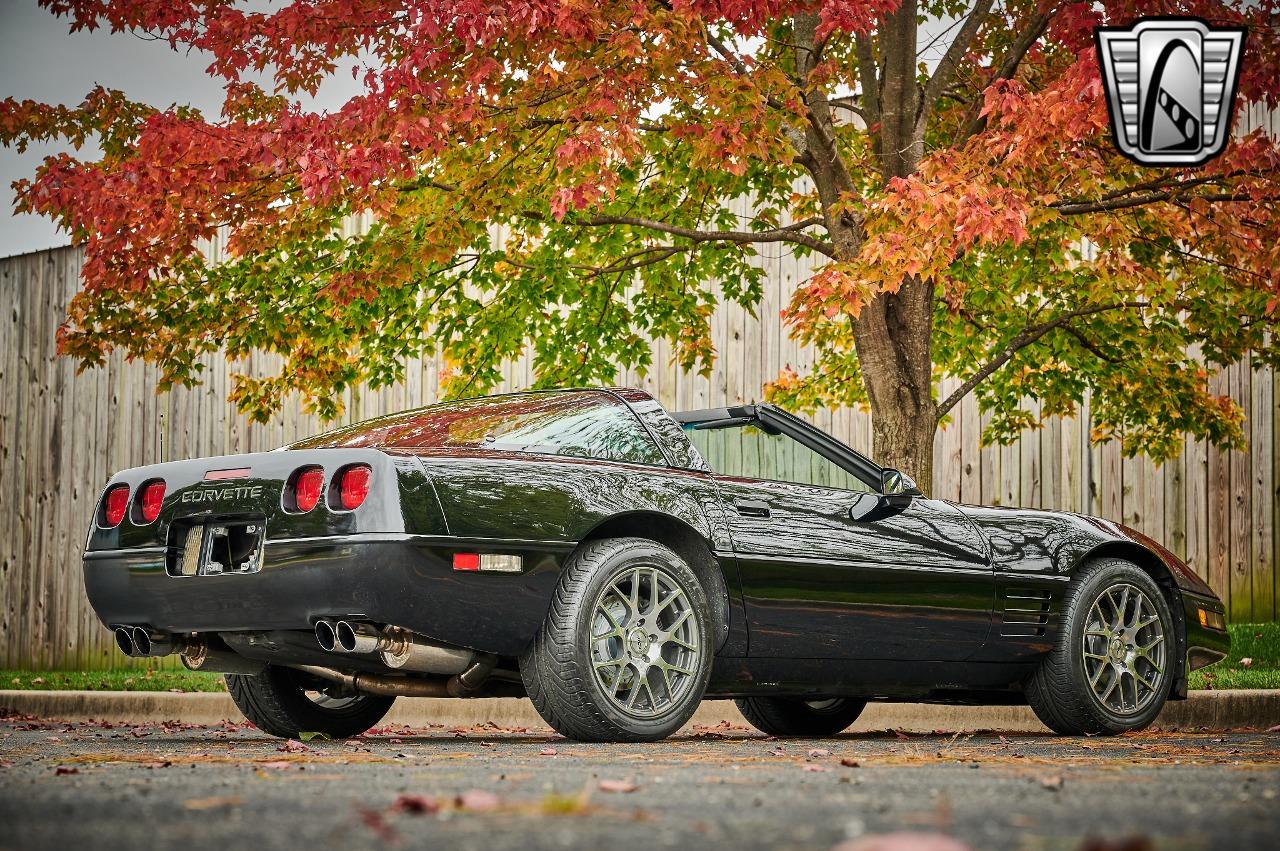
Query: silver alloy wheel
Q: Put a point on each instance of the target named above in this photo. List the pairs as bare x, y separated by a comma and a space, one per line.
328, 701
644, 642
1123, 649
822, 705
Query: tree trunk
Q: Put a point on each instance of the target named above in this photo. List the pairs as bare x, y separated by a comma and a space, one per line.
894, 338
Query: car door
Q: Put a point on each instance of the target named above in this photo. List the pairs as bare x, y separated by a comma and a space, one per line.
910, 580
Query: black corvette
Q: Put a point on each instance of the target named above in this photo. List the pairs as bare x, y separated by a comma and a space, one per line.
617, 564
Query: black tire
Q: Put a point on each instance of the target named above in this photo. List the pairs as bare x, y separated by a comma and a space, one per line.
1060, 692
796, 717
558, 670
276, 702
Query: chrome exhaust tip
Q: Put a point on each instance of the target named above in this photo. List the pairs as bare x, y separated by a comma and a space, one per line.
326, 637
124, 640
359, 637
148, 643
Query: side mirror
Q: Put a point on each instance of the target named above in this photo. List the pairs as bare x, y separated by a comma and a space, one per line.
897, 483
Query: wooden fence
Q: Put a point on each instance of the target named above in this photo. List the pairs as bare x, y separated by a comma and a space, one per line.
63, 434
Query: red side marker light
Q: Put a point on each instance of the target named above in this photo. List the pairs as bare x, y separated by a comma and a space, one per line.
114, 505
152, 498
466, 561
308, 484
353, 486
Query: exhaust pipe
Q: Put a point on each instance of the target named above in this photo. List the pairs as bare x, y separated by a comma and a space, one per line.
139, 641
410, 687
374, 684
326, 637
124, 640
200, 655
360, 638
147, 643
399, 648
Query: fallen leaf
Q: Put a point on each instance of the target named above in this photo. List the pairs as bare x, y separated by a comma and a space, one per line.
900, 734
212, 803
62, 769
903, 841
623, 786
777, 752
1246, 662
293, 747
416, 804
309, 736
478, 800
849, 763
1275, 729
815, 753
548, 752
374, 821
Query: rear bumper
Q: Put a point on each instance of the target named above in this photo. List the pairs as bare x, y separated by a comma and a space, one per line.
399, 579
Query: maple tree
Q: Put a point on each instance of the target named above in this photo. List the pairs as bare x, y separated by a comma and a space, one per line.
558, 176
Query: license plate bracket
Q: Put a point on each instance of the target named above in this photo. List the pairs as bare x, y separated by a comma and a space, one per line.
218, 547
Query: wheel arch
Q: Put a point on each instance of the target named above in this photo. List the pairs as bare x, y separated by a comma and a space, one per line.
1154, 566
687, 542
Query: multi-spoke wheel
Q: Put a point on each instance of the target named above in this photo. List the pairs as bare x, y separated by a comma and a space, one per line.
624, 654
1123, 649
644, 641
1111, 668
288, 703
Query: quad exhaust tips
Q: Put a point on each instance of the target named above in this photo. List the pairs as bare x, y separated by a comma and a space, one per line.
140, 641
398, 648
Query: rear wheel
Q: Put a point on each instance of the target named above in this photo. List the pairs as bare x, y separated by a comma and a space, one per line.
1112, 666
625, 652
788, 716
287, 703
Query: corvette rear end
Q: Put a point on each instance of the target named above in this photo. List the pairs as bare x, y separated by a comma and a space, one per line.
315, 557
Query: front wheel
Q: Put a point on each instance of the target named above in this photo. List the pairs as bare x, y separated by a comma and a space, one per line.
1113, 664
787, 716
625, 652
287, 703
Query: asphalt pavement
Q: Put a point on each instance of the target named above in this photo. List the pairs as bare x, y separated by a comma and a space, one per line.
159, 786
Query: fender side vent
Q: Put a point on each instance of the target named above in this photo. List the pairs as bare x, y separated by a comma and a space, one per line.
1026, 613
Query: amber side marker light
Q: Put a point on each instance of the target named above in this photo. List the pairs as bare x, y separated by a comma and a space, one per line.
1213, 620
488, 562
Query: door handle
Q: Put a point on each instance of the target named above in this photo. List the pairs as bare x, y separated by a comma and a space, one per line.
752, 508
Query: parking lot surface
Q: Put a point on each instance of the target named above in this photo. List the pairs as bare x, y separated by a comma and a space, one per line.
157, 786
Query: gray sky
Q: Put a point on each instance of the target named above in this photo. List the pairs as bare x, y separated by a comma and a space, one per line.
41, 60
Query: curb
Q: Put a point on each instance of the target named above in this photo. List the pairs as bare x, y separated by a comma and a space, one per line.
1213, 710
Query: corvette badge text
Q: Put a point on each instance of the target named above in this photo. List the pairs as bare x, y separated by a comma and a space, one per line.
1171, 88
243, 492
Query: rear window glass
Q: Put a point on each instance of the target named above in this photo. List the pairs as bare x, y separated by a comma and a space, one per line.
580, 424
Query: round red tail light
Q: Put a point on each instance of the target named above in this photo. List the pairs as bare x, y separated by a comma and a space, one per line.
114, 505
308, 484
150, 499
353, 485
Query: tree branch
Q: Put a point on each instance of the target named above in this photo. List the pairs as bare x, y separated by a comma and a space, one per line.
1020, 341
959, 46
868, 79
974, 122
790, 233
1077, 208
